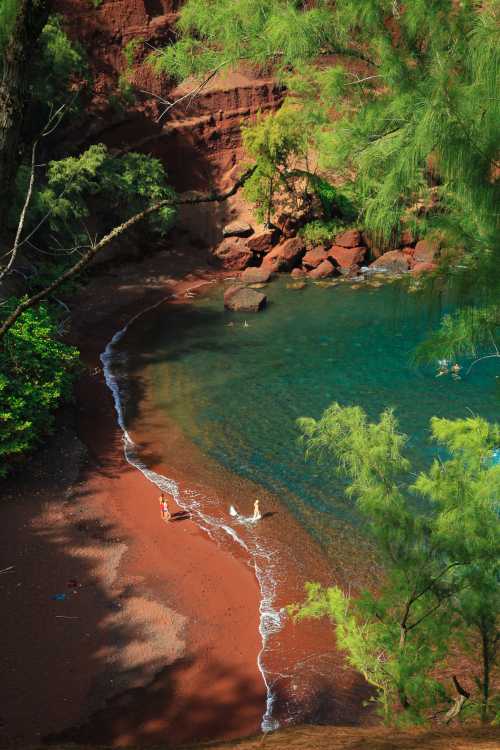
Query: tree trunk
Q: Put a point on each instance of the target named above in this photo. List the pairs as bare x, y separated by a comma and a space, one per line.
17, 59
486, 672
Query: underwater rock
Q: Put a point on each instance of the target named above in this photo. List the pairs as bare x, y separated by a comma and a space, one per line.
243, 299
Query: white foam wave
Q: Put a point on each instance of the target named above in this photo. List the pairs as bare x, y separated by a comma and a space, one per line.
271, 619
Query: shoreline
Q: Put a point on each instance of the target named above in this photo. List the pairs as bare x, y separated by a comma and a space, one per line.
164, 633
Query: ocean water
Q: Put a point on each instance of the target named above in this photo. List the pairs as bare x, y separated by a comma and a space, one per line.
235, 385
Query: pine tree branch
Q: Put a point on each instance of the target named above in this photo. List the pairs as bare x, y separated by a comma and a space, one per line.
95, 248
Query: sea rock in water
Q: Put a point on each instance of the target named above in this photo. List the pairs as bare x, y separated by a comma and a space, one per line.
263, 242
298, 273
243, 299
233, 254
323, 271
419, 268
394, 261
351, 238
285, 256
259, 275
237, 229
346, 257
426, 251
314, 257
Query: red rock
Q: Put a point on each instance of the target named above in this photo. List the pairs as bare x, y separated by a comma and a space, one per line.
314, 257
256, 275
394, 261
419, 268
237, 229
407, 237
426, 251
243, 299
351, 238
285, 255
298, 273
323, 271
409, 252
233, 254
347, 257
263, 242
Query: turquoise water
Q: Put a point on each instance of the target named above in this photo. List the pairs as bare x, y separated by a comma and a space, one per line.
237, 391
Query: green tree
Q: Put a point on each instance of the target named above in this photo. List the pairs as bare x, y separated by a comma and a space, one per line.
36, 375
399, 636
279, 146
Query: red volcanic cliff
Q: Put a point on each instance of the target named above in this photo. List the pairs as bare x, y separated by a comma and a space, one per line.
199, 140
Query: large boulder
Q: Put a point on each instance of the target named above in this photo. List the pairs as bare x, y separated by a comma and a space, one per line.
237, 229
394, 261
314, 257
426, 251
254, 275
285, 256
351, 238
323, 271
233, 254
346, 257
263, 242
243, 299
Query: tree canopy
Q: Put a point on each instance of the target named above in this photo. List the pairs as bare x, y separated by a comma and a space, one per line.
438, 535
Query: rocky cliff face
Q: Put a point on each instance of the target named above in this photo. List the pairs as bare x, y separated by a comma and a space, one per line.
199, 140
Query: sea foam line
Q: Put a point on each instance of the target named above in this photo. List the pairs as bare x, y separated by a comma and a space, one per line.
270, 621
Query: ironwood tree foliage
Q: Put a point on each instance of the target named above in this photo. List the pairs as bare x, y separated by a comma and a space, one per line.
442, 563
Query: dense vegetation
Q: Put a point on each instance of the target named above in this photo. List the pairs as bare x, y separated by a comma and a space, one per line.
52, 210
400, 103
438, 533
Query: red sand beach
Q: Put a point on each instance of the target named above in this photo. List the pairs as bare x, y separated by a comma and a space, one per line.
154, 629
119, 628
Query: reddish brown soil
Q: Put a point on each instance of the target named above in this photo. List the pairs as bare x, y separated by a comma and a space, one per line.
160, 641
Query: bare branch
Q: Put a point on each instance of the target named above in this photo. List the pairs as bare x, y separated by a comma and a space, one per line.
22, 218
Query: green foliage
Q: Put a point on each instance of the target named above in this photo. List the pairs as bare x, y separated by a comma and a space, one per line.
442, 567
320, 231
131, 50
470, 332
8, 10
96, 181
36, 375
278, 144
61, 69
426, 93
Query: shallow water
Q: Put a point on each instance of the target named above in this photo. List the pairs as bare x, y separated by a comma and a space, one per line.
236, 384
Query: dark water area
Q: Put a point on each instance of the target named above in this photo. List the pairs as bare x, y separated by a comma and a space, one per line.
233, 386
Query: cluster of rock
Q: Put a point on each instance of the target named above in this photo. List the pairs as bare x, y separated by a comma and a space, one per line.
257, 256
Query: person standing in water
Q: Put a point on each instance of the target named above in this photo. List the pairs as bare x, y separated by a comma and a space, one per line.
256, 511
164, 510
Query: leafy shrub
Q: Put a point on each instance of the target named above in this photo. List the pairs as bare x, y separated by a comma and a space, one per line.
319, 231
36, 375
